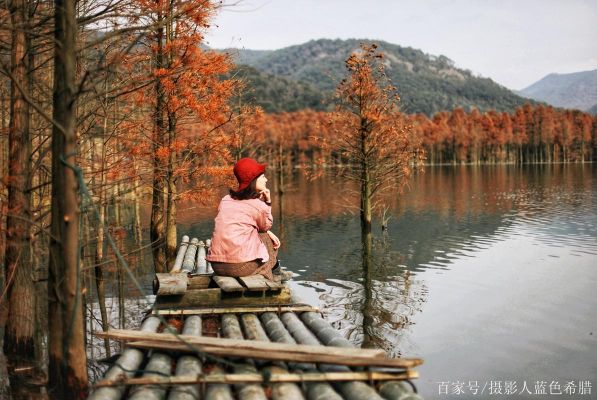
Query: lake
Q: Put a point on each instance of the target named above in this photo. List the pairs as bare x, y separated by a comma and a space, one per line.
487, 273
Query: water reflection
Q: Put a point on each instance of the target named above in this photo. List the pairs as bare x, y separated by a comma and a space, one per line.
479, 271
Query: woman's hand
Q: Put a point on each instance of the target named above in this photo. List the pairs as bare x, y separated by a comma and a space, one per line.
265, 195
275, 240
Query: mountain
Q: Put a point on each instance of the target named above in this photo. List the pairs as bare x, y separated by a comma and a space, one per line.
426, 83
593, 110
577, 90
277, 94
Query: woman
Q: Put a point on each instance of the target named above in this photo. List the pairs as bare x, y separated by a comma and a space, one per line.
242, 243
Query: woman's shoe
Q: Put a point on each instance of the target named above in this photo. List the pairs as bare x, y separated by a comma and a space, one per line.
281, 275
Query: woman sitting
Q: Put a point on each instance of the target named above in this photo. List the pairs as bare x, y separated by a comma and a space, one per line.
242, 243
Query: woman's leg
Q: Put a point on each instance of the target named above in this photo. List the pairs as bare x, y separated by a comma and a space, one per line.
236, 270
265, 269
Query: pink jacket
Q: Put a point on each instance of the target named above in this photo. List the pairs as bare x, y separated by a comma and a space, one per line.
235, 238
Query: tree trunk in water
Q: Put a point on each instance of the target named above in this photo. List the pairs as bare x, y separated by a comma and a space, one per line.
367, 310
366, 206
157, 204
67, 357
280, 170
20, 325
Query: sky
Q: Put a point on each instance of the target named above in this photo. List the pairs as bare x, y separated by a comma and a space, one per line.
513, 42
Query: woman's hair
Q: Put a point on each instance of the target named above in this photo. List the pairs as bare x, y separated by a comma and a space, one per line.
250, 192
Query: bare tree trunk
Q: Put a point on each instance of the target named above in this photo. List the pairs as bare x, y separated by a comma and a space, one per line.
4, 381
20, 326
138, 229
67, 357
157, 204
99, 246
171, 203
368, 306
171, 179
366, 207
99, 253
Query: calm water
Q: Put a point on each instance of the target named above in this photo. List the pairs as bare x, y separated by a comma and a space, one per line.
487, 273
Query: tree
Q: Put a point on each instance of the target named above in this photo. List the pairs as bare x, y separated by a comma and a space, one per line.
67, 358
377, 149
19, 344
187, 91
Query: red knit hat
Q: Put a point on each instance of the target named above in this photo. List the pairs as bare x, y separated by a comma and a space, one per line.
245, 170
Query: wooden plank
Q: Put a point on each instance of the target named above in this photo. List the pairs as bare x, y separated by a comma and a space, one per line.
228, 284
170, 284
132, 334
258, 378
213, 297
198, 282
255, 282
273, 285
236, 310
273, 356
258, 349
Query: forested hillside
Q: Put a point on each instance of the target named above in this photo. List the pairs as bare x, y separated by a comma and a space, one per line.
278, 94
427, 84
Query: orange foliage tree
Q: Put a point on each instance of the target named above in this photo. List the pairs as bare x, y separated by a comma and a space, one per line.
188, 102
378, 151
531, 134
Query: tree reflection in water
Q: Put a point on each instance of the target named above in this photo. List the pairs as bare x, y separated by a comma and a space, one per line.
386, 303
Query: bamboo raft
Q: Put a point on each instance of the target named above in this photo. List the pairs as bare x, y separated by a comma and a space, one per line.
217, 338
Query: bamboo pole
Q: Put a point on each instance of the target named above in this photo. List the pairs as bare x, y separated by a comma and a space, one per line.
324, 331
276, 330
125, 366
201, 266
257, 379
398, 391
254, 331
180, 256
284, 391
231, 329
350, 390
188, 366
331, 337
218, 391
207, 246
159, 364
188, 263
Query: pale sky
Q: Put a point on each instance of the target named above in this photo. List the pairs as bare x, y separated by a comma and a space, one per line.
513, 42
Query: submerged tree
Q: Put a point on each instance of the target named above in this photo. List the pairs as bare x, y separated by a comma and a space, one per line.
378, 151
